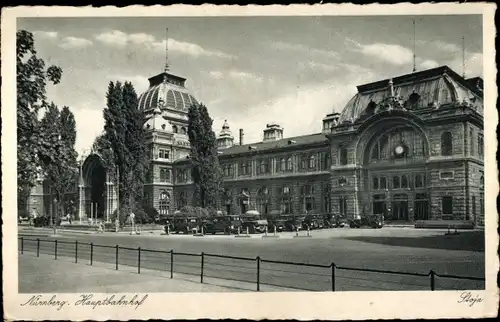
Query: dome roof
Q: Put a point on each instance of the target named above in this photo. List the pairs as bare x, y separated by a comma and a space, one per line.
166, 91
433, 87
226, 131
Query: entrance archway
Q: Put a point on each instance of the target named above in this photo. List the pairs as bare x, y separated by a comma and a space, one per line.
97, 192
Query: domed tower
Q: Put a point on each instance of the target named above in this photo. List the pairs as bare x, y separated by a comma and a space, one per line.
225, 138
165, 105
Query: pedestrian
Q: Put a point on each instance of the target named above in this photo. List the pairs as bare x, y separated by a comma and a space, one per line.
69, 218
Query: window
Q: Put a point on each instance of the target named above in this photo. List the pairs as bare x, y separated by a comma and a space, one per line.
303, 162
245, 168
481, 182
164, 175
375, 184
286, 190
413, 101
175, 129
163, 154
480, 145
325, 161
183, 130
419, 182
263, 167
383, 183
395, 182
263, 200
446, 143
343, 156
182, 200
286, 201
182, 175
404, 182
289, 164
342, 181
473, 205
343, 206
282, 164
312, 162
164, 202
163, 126
481, 204
447, 205
227, 170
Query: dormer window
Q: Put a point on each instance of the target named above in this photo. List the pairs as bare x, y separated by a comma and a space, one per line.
163, 126
413, 101
175, 129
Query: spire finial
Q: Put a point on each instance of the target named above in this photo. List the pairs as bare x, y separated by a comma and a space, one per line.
463, 56
414, 49
166, 51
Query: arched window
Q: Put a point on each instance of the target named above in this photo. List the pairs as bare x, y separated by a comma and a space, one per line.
370, 109
395, 182
419, 183
383, 183
175, 129
286, 190
375, 183
286, 201
312, 162
164, 203
289, 164
262, 200
283, 164
343, 156
183, 130
446, 143
307, 197
404, 182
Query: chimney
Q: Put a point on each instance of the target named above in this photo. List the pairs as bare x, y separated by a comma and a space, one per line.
241, 136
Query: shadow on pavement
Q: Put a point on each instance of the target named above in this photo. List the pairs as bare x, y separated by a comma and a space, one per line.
465, 240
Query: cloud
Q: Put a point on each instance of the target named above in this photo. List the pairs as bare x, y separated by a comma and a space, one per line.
393, 54
428, 64
113, 38
74, 42
318, 66
139, 82
440, 45
236, 75
305, 49
45, 34
116, 38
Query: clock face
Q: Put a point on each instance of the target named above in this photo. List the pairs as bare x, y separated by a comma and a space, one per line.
399, 150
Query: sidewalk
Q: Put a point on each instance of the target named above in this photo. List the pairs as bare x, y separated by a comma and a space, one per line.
47, 275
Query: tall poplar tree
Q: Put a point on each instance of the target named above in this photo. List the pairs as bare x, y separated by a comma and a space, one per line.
32, 78
205, 168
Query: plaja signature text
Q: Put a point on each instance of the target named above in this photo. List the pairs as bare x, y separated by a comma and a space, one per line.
469, 298
86, 300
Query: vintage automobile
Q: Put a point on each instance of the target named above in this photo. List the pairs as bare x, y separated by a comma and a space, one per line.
278, 223
221, 225
184, 225
373, 221
254, 226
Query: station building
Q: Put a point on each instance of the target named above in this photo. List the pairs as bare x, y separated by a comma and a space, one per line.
410, 147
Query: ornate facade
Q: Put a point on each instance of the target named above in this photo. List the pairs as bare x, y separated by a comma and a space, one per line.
410, 147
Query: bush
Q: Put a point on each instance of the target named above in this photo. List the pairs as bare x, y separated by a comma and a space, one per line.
197, 212
141, 217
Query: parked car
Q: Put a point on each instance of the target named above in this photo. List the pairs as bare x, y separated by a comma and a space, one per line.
221, 226
338, 221
41, 221
373, 221
184, 225
293, 225
254, 226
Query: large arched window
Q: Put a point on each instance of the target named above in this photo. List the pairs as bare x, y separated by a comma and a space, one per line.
375, 183
289, 164
446, 143
343, 156
164, 203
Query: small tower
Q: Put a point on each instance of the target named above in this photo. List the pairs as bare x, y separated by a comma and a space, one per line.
273, 132
330, 121
225, 138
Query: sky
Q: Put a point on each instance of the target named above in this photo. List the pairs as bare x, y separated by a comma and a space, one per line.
250, 71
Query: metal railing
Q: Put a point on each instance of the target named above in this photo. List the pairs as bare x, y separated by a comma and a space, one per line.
253, 271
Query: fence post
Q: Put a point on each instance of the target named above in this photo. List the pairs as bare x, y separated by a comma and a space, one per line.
202, 266
139, 260
91, 253
172, 263
38, 247
433, 276
55, 249
22, 245
76, 251
258, 273
333, 277
116, 258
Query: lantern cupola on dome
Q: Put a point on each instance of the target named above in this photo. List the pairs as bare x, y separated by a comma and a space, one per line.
225, 138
